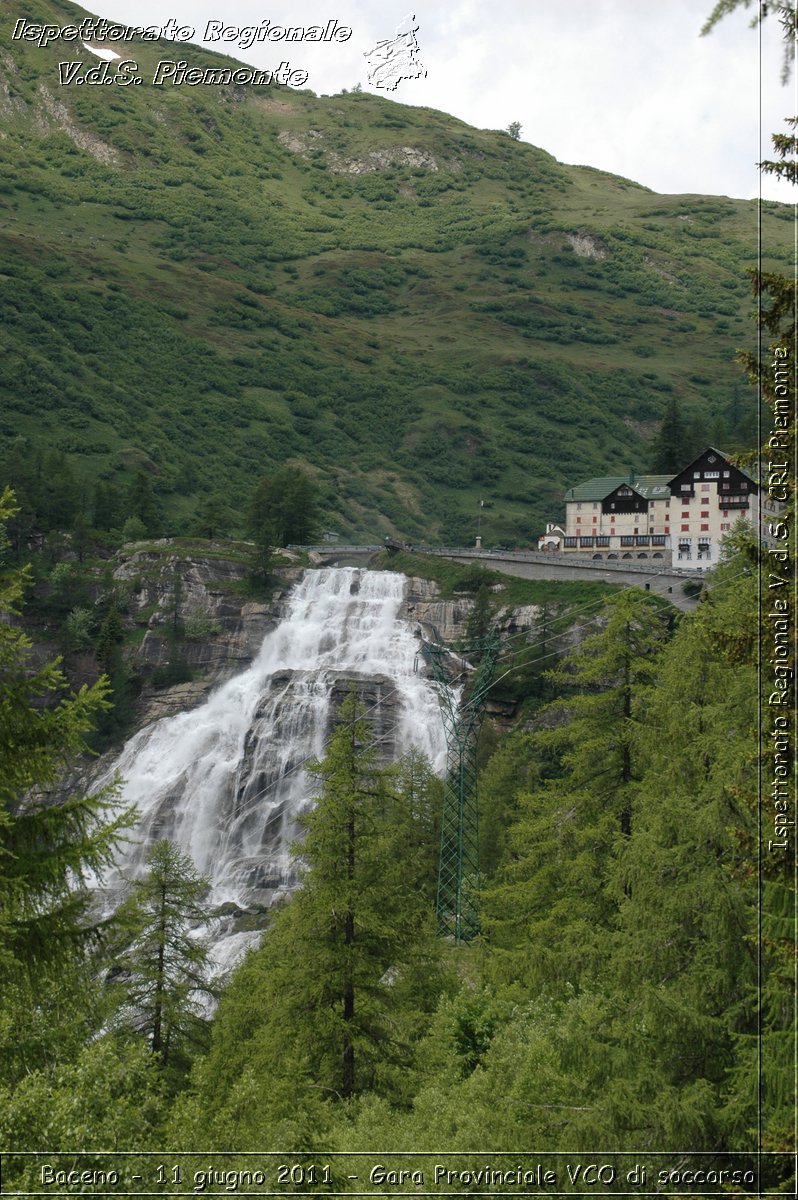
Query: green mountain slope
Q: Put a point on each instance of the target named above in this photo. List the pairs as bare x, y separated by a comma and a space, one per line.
208, 281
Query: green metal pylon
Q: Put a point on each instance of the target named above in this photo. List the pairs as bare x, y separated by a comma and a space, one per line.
458, 866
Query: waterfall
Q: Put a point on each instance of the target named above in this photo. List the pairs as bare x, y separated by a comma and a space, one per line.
225, 781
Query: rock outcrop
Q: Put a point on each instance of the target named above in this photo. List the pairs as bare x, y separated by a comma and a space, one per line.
199, 594
199, 625
424, 605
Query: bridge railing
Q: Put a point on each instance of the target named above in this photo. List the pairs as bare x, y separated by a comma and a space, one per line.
530, 556
334, 548
566, 560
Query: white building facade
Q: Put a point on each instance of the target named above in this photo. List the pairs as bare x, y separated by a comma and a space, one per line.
679, 519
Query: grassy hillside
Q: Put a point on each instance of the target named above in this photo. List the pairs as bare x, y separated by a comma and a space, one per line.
208, 281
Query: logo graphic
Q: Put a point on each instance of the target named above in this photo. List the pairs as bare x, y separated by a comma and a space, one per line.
395, 59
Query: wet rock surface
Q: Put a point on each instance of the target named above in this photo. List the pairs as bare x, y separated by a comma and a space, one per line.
448, 618
194, 607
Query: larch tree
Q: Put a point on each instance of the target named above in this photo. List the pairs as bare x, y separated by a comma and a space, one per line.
683, 957
550, 909
357, 923
671, 445
283, 508
162, 973
49, 847
331, 1004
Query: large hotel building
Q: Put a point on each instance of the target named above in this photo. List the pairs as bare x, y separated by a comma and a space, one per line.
680, 519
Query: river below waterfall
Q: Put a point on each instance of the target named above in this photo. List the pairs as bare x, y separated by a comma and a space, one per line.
225, 782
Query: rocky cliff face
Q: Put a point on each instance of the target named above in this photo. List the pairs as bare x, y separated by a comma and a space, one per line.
225, 780
423, 604
193, 604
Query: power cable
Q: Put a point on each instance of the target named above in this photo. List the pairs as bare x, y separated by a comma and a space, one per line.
591, 605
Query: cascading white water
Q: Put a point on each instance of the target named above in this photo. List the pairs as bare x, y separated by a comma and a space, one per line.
225, 781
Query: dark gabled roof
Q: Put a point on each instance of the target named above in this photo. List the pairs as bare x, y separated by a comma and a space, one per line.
721, 454
650, 487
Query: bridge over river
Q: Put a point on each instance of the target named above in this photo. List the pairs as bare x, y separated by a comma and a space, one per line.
666, 581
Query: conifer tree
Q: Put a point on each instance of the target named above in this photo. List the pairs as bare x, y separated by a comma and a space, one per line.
164, 971
346, 978
46, 849
284, 508
212, 516
682, 960
106, 506
141, 503
551, 908
352, 916
413, 825
110, 654
481, 616
671, 446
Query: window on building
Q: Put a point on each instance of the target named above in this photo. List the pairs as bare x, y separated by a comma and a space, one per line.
579, 508
727, 525
725, 512
685, 528
667, 528
725, 474
711, 475
705, 529
704, 514
704, 487
579, 520
685, 514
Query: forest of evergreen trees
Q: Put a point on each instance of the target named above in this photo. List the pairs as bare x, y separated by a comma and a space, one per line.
631, 987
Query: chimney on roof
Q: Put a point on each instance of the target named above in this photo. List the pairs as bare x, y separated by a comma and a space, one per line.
631, 475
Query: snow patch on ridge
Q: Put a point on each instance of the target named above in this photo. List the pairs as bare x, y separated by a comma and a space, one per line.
101, 52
